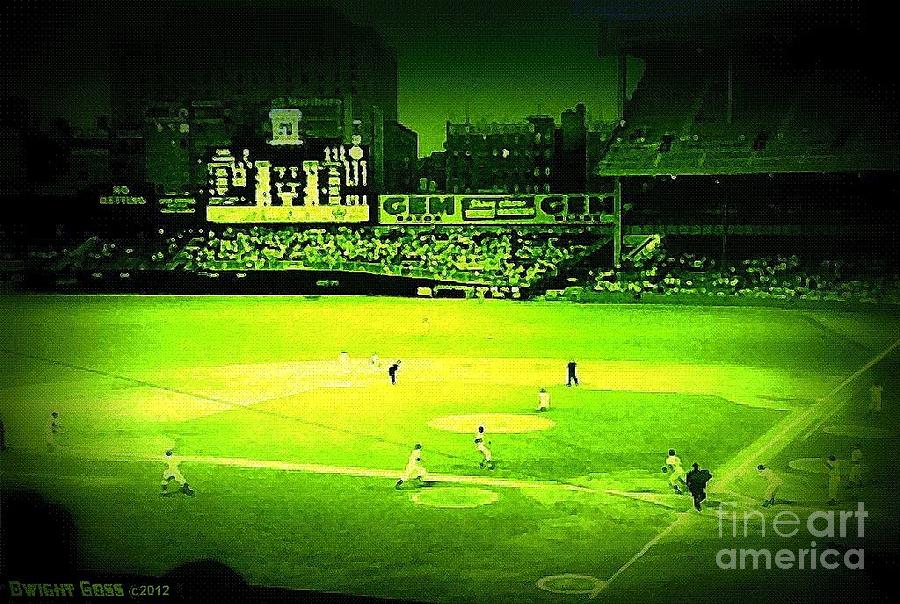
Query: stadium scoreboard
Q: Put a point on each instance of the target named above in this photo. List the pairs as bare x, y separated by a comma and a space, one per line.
309, 183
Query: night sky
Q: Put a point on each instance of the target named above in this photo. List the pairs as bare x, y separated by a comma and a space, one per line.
492, 60
488, 59
495, 61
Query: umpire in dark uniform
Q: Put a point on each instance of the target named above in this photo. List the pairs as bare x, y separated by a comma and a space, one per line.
570, 369
696, 481
392, 372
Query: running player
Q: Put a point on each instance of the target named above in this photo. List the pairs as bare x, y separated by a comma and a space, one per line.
675, 471
414, 468
487, 458
173, 473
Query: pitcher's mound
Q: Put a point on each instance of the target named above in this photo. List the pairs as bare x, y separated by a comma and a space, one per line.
570, 584
456, 497
494, 423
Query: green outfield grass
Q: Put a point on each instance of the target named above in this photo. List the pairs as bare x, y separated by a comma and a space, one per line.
294, 456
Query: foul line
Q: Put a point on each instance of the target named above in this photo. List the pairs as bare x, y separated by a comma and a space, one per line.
311, 468
771, 443
875, 360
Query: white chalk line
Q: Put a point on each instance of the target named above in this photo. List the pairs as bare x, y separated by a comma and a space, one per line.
310, 468
874, 361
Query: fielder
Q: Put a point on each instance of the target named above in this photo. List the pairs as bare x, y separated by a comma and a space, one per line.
414, 468
875, 398
773, 483
173, 473
543, 400
488, 459
675, 471
834, 478
53, 428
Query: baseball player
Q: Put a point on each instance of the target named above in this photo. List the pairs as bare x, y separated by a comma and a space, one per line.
543, 400
173, 473
414, 468
482, 448
675, 471
875, 398
773, 483
53, 429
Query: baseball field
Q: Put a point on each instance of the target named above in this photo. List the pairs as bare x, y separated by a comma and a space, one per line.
293, 453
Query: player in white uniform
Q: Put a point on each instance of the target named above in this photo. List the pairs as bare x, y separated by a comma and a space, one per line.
676, 472
488, 459
875, 398
414, 468
173, 473
773, 483
543, 400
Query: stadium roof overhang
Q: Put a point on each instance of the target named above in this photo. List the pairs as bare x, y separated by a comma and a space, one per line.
751, 165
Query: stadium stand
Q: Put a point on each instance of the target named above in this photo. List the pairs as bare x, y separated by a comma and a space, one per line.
679, 121
491, 257
777, 277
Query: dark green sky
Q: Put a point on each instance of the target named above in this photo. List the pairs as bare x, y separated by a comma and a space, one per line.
492, 59
499, 60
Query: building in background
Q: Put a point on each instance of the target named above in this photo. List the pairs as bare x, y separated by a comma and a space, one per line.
432, 173
501, 158
401, 152
189, 80
248, 54
571, 151
533, 156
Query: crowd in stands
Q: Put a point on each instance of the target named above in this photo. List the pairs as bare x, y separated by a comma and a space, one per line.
500, 257
778, 277
448, 253
95, 254
494, 257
